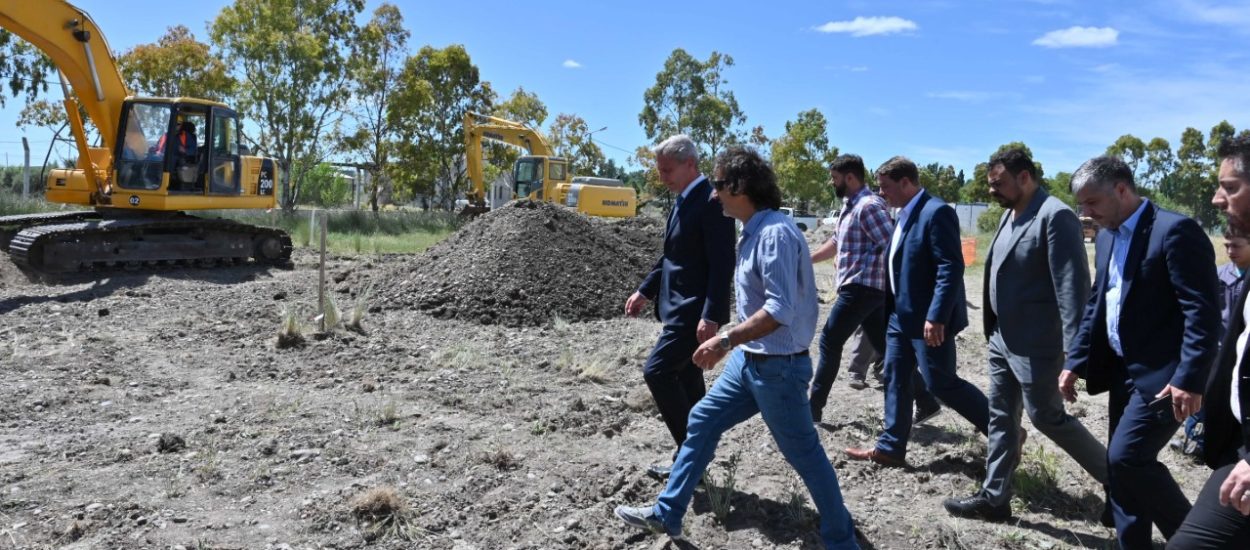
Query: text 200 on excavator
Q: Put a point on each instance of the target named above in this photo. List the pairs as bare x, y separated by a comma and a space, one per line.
160, 158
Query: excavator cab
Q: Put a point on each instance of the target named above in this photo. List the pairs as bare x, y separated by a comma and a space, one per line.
529, 177
166, 146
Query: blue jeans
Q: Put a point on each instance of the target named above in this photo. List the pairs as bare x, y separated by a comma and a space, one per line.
903, 357
776, 388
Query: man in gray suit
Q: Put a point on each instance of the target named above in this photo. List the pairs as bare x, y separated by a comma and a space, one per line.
1036, 285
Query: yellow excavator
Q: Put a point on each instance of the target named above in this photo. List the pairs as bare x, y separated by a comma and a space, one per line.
540, 175
158, 158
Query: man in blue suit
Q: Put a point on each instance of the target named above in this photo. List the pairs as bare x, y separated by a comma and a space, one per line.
689, 284
1149, 335
927, 308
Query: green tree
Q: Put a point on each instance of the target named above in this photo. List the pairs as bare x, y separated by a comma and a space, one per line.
25, 67
326, 187
941, 181
436, 87
570, 137
1190, 184
293, 57
801, 158
1219, 133
1160, 163
1132, 150
523, 107
1060, 187
375, 65
978, 188
693, 97
177, 65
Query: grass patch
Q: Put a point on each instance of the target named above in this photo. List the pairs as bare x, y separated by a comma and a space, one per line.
720, 489
1037, 478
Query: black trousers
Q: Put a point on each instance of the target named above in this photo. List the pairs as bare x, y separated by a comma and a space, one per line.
1210, 525
675, 382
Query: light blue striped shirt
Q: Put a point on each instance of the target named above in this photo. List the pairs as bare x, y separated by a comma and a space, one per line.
1123, 238
774, 273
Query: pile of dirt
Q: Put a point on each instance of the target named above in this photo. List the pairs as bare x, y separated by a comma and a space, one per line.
528, 264
820, 235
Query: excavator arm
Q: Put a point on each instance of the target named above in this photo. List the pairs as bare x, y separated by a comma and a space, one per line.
478, 127
75, 44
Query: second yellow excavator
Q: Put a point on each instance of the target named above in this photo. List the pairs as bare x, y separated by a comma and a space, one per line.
540, 175
159, 157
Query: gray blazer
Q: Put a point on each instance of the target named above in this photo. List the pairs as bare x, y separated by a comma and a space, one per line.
1044, 284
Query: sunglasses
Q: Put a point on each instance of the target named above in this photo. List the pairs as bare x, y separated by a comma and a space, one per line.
720, 184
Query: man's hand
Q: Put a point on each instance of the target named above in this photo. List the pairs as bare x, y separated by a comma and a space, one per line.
1183, 403
635, 303
708, 354
934, 333
707, 329
1235, 488
1067, 385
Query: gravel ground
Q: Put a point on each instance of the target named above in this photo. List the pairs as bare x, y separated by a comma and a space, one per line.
155, 410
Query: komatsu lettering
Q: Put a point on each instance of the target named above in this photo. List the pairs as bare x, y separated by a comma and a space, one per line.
607, 202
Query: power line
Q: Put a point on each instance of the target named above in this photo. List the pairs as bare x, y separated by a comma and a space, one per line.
601, 142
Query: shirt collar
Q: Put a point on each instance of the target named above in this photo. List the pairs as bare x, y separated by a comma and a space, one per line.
1130, 225
686, 192
854, 199
906, 211
756, 220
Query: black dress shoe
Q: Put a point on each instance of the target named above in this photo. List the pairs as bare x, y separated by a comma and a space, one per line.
817, 415
977, 507
659, 472
923, 414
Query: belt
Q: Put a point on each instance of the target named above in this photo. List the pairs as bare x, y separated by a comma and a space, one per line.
765, 356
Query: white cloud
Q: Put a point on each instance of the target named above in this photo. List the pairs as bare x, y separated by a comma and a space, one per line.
570, 64
1079, 37
869, 26
1146, 103
964, 95
1233, 14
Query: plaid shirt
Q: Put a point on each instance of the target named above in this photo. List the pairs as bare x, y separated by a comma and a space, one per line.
863, 239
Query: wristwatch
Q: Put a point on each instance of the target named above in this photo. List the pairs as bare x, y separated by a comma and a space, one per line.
724, 341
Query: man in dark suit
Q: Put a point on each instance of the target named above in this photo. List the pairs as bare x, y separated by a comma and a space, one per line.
1220, 517
1035, 287
927, 308
1148, 335
689, 284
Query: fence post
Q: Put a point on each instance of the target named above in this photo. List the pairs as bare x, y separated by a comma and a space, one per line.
26, 170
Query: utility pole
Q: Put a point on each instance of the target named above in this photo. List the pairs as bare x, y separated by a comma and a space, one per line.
26, 170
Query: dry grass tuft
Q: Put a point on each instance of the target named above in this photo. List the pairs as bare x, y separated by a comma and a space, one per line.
381, 512
290, 333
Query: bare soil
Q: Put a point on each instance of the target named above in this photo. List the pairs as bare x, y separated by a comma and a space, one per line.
154, 410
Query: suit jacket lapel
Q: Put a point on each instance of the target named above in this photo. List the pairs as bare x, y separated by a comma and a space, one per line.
1030, 214
896, 255
1136, 250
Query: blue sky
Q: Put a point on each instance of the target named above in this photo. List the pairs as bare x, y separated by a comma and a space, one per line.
937, 81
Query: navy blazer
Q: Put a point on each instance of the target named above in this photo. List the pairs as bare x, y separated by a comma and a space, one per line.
929, 270
691, 280
1225, 439
1169, 318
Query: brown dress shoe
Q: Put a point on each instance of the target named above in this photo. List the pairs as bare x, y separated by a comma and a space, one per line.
876, 456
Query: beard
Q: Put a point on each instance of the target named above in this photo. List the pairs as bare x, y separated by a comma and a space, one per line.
1239, 222
840, 192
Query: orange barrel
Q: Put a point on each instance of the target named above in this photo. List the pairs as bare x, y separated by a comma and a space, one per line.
970, 250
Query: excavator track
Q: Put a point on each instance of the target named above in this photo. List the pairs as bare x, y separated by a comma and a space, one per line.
12, 225
139, 242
